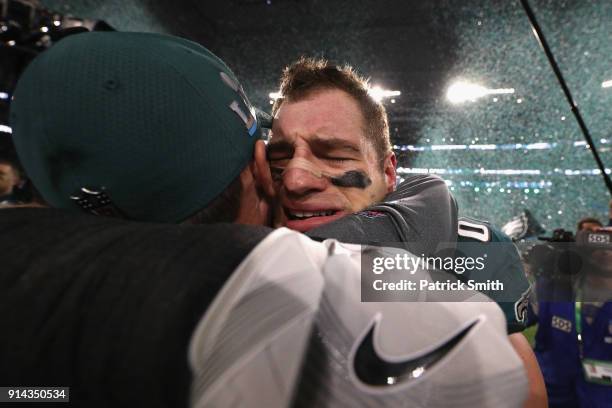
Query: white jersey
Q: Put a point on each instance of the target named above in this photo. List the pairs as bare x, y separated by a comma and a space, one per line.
289, 329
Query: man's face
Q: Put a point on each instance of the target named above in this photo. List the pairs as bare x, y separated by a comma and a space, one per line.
323, 165
8, 179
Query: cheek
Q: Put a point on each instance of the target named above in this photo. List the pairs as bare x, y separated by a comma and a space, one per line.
360, 199
378, 189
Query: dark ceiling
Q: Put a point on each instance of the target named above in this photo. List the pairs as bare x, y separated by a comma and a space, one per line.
257, 38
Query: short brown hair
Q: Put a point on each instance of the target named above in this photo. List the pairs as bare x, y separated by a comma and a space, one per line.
587, 220
307, 75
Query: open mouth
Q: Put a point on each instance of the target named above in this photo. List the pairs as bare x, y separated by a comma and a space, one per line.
304, 215
301, 220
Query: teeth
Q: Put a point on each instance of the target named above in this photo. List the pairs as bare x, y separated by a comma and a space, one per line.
308, 214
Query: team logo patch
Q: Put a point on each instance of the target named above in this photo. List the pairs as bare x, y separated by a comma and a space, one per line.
521, 305
562, 324
371, 214
95, 200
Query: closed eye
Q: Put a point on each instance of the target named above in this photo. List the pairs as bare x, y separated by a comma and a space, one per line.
337, 160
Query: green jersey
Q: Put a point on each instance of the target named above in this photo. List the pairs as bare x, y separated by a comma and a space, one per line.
502, 263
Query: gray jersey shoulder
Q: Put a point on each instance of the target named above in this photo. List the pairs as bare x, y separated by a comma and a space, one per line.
420, 214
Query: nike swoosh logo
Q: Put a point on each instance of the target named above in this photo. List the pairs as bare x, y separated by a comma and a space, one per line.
371, 369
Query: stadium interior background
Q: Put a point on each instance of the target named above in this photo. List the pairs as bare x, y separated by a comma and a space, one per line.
478, 103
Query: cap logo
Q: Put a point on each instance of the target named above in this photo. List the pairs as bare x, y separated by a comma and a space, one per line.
249, 119
96, 201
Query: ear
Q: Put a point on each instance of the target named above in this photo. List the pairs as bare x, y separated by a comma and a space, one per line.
389, 171
261, 170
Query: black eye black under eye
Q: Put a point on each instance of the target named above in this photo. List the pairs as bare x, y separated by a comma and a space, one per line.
352, 178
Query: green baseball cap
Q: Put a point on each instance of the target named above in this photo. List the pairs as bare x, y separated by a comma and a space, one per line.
159, 123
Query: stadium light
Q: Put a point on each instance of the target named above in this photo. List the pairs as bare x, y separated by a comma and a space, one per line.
462, 91
378, 94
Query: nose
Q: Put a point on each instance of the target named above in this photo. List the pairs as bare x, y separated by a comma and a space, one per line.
300, 182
